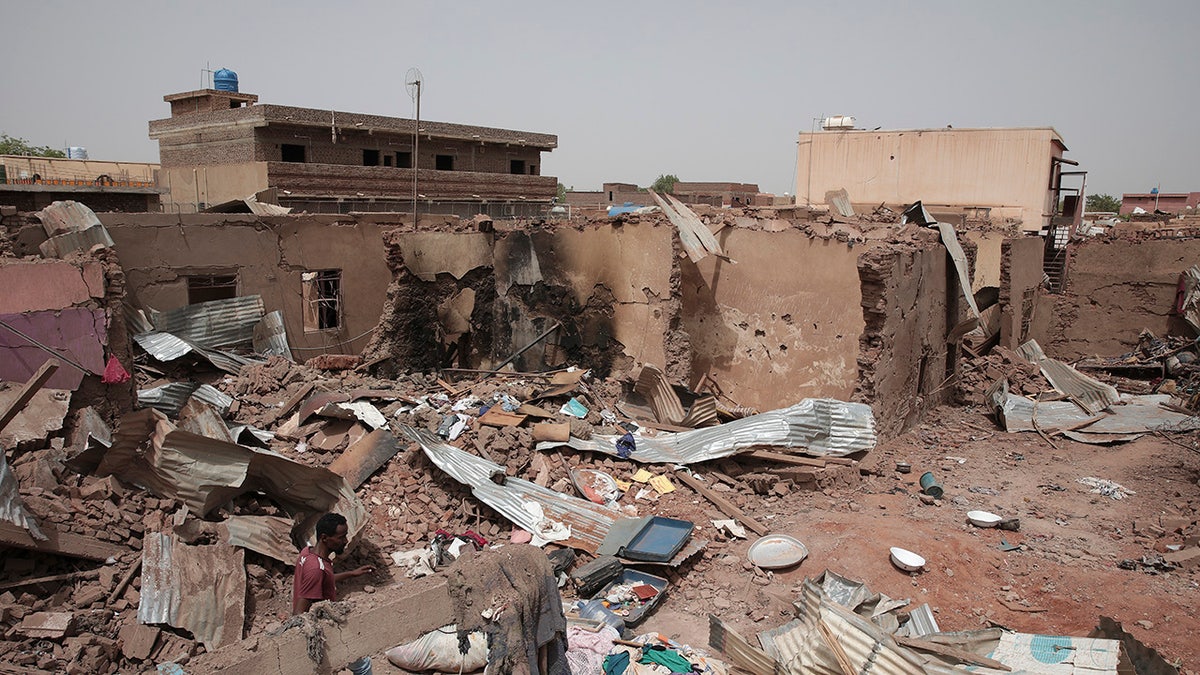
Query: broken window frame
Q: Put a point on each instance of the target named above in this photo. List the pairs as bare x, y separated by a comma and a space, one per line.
206, 287
322, 297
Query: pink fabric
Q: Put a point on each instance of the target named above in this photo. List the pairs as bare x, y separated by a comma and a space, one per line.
114, 373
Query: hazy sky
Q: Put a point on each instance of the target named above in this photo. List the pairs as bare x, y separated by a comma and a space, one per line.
704, 90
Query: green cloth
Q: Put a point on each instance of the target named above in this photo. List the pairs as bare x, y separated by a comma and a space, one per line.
615, 664
666, 657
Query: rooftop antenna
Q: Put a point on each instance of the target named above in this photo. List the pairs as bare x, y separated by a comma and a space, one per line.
413, 81
206, 73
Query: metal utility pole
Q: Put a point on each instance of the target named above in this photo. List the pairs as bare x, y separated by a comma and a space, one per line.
413, 82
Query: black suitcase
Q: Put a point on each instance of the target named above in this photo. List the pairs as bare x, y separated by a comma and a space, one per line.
595, 575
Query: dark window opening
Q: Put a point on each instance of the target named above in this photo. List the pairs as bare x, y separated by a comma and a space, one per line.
516, 166
292, 153
444, 162
387, 160
404, 160
370, 157
322, 300
610, 195
205, 288
533, 170
235, 104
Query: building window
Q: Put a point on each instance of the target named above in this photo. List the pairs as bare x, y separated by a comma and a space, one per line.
322, 295
444, 162
292, 153
205, 288
516, 166
403, 160
370, 157
387, 160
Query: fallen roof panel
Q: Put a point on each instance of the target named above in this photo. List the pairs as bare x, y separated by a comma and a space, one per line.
819, 426
1092, 394
171, 397
589, 522
216, 323
201, 589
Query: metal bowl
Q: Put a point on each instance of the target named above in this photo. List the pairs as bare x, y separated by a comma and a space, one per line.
776, 551
906, 560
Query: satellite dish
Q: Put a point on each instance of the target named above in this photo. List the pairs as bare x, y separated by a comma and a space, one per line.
413, 80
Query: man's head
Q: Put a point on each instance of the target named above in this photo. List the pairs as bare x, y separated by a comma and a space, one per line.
331, 531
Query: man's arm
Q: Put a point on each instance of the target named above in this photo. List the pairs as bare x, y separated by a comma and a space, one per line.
301, 605
365, 569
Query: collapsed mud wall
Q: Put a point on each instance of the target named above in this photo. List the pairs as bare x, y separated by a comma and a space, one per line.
1020, 292
1117, 286
911, 300
782, 323
268, 256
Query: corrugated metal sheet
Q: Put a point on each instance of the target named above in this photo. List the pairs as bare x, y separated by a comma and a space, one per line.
205, 473
1189, 300
270, 336
819, 426
950, 241
61, 245
268, 535
67, 216
698, 241
171, 397
921, 622
1135, 415
652, 384
12, 509
1092, 394
217, 323
589, 522
167, 347
201, 589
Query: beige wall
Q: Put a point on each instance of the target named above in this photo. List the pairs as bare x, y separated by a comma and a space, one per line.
76, 169
1007, 170
211, 184
987, 257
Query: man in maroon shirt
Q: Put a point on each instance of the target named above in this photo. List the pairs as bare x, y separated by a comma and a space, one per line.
314, 579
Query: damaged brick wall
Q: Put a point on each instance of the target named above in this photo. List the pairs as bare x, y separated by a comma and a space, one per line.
911, 300
1021, 291
1117, 286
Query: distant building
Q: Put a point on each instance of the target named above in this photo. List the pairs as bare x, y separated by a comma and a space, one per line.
726, 195
219, 146
1008, 173
1168, 202
718, 194
33, 183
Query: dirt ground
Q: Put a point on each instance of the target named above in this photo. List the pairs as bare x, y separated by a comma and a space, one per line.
1062, 579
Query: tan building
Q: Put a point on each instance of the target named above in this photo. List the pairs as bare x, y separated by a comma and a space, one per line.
32, 183
1002, 173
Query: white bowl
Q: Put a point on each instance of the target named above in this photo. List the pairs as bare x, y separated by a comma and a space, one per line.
983, 518
906, 560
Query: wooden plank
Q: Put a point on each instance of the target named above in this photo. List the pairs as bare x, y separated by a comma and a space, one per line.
67, 576
31, 387
953, 652
786, 459
63, 543
292, 402
727, 507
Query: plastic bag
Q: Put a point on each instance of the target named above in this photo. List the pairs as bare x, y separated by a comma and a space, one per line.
438, 650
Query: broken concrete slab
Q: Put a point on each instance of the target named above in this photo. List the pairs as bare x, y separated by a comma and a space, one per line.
137, 640
48, 625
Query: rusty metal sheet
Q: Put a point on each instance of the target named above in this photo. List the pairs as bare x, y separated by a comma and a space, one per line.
652, 384
268, 535
589, 522
205, 473
822, 427
12, 509
201, 589
202, 419
359, 461
216, 323
1092, 394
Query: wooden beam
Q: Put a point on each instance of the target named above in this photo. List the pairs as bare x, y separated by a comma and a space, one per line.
31, 387
786, 459
63, 543
953, 652
727, 507
292, 402
68, 576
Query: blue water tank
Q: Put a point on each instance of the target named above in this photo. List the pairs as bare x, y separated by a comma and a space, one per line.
225, 80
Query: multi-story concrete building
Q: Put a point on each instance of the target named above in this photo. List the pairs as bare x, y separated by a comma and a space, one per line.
219, 146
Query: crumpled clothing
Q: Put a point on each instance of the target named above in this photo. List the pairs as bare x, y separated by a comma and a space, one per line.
586, 650
547, 530
615, 664
666, 657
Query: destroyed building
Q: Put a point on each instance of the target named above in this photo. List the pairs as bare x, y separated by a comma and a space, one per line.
221, 145
766, 391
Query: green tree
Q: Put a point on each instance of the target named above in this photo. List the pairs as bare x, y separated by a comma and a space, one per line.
19, 146
665, 183
1103, 203
561, 197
